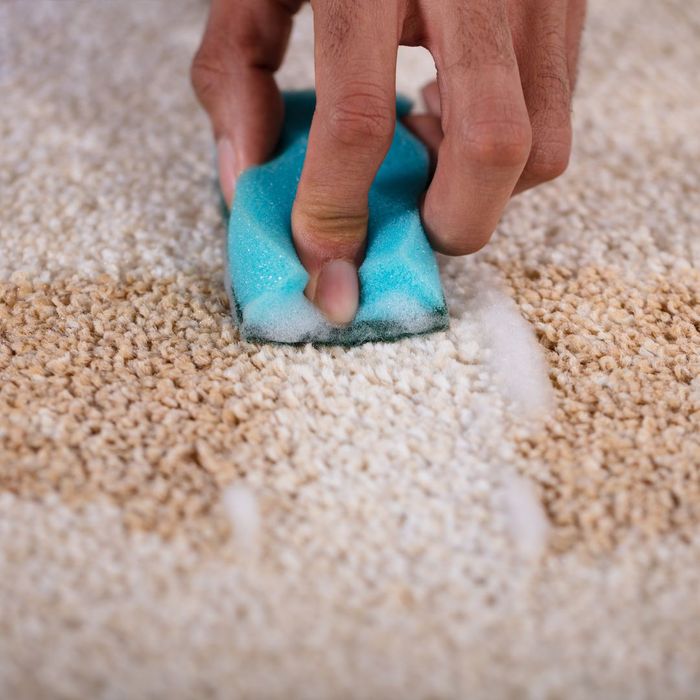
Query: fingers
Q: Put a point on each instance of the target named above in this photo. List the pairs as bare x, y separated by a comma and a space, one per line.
539, 31
487, 134
352, 129
232, 74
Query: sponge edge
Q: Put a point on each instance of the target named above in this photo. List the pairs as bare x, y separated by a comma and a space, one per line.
400, 291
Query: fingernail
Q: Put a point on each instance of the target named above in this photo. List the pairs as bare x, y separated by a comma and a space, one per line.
228, 168
338, 291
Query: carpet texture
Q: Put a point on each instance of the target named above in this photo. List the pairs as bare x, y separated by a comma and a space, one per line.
508, 509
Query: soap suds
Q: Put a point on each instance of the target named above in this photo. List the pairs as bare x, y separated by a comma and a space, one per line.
527, 520
514, 354
303, 323
241, 506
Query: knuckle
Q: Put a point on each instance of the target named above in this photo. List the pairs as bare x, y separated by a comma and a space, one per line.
363, 117
548, 160
207, 72
221, 57
323, 225
498, 143
464, 245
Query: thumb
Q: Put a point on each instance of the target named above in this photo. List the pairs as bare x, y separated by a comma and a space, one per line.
329, 229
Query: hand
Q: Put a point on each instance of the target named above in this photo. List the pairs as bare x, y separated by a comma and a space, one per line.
498, 123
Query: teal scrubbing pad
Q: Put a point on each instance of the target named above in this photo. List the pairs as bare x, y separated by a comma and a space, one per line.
400, 291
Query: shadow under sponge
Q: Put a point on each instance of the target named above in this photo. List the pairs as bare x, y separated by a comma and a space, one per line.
400, 290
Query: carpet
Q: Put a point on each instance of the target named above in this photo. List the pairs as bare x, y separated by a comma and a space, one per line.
509, 509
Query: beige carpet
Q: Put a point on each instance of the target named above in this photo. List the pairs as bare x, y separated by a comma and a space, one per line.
510, 509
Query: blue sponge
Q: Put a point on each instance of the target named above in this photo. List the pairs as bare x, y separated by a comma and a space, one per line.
400, 291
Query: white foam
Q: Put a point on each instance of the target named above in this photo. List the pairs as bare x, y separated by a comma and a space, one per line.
302, 321
241, 506
528, 523
299, 321
515, 356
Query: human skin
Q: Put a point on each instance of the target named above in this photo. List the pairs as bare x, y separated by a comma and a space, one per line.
498, 121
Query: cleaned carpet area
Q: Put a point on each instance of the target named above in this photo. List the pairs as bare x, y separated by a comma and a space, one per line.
510, 509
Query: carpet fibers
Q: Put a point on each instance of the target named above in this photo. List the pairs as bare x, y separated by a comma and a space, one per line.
509, 509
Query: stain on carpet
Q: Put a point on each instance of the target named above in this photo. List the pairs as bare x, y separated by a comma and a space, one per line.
140, 391
127, 390
623, 448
